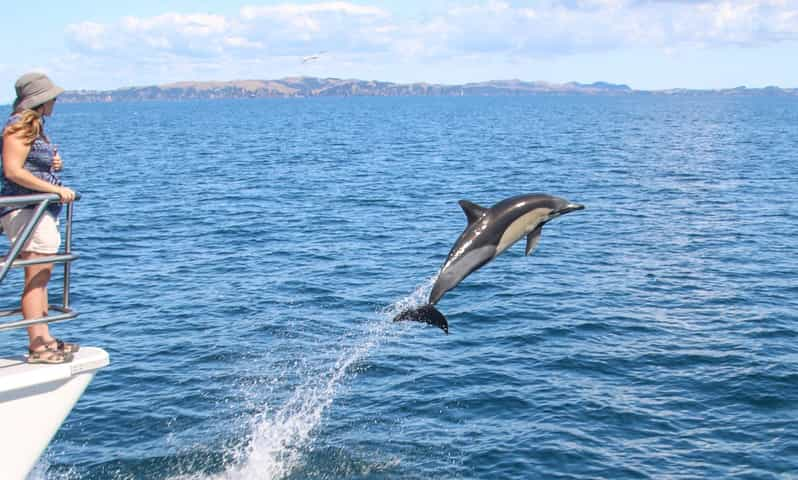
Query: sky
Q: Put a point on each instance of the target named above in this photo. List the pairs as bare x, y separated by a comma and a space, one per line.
646, 44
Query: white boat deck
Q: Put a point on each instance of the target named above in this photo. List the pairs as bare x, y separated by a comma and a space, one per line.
16, 373
35, 400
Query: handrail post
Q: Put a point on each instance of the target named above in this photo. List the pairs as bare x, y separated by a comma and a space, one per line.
67, 250
39, 203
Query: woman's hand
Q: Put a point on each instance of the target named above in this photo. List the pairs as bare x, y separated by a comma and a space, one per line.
57, 163
67, 194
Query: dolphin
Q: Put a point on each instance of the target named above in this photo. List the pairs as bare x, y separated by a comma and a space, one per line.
490, 231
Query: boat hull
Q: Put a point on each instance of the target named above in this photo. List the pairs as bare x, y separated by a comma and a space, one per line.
34, 402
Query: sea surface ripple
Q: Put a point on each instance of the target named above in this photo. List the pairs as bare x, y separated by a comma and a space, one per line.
241, 261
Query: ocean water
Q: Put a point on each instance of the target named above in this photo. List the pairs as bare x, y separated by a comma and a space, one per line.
241, 262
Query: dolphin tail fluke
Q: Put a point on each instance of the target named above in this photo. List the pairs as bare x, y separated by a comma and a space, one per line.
424, 314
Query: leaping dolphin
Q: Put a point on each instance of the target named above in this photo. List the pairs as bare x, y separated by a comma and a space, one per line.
490, 231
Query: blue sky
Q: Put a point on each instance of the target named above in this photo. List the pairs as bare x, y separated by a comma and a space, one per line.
647, 44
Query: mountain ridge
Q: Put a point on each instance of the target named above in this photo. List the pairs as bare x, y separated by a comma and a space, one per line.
298, 87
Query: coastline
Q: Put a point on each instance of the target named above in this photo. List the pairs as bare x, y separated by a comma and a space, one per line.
303, 87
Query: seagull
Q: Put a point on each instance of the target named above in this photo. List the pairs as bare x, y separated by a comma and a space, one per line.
313, 57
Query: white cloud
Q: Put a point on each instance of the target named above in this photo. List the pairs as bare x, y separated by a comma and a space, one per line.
240, 42
577, 26
365, 34
286, 29
544, 27
133, 38
288, 11
195, 25
89, 35
291, 29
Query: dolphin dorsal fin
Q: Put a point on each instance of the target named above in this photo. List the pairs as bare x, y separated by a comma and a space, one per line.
473, 211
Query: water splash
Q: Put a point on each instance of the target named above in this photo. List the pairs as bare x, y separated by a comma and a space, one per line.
42, 471
280, 437
416, 299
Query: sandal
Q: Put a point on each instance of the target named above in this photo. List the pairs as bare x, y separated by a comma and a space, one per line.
48, 356
63, 346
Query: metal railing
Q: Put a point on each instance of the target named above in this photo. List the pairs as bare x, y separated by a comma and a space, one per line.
40, 202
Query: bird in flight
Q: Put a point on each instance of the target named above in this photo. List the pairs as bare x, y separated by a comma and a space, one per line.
311, 58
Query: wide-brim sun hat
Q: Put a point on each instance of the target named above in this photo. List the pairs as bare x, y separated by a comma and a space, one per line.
34, 89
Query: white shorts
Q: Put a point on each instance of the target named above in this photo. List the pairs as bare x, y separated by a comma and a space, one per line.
46, 236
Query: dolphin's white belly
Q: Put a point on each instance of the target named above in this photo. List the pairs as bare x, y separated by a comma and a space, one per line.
520, 228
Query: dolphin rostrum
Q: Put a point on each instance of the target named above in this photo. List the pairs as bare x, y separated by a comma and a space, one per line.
490, 231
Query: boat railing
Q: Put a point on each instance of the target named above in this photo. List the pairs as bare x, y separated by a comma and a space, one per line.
65, 257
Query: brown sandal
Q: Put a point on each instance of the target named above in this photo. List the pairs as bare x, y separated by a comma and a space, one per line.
64, 347
49, 356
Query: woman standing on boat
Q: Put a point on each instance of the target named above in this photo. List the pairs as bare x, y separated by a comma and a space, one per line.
30, 166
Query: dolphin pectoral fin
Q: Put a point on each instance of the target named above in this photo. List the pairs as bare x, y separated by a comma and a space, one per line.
424, 314
472, 211
533, 239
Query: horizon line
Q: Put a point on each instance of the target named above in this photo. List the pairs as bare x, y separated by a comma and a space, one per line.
742, 86
9, 101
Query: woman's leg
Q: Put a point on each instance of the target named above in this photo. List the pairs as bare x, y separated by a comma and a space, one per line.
34, 300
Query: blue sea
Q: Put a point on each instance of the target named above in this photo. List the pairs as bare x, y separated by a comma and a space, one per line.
241, 262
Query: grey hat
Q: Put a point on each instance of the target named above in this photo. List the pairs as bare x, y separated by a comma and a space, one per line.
34, 89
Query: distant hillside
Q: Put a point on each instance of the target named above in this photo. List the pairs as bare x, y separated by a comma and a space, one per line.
321, 87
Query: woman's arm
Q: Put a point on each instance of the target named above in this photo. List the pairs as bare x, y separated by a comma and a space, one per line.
58, 164
14, 154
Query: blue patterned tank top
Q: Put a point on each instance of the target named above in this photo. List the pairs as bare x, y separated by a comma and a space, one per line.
40, 163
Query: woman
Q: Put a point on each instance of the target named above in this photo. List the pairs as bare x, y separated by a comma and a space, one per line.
30, 163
